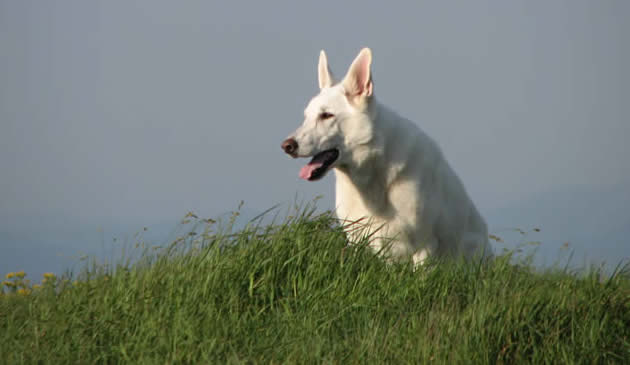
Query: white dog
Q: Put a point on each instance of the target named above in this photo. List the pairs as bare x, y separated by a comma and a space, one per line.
390, 174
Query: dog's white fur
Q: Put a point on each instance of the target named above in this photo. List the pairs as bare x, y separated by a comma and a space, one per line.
389, 173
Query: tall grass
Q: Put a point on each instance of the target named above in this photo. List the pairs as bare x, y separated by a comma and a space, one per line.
295, 292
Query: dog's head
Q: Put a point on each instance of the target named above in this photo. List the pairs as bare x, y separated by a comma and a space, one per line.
336, 120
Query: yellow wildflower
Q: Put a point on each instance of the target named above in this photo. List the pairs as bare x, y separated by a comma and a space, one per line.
23, 291
36, 286
49, 275
10, 275
8, 283
20, 274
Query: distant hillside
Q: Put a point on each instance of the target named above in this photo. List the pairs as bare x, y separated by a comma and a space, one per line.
596, 224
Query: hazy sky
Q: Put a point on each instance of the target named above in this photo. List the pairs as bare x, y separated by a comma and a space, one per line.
116, 115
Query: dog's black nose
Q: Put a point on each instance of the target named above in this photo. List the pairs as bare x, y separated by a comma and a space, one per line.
290, 146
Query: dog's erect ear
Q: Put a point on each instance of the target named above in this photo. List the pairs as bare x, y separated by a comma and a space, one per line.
325, 76
358, 80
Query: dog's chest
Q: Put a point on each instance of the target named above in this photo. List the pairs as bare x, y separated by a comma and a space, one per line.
350, 203
357, 207
366, 215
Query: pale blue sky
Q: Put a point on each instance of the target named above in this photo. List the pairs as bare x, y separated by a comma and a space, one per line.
116, 115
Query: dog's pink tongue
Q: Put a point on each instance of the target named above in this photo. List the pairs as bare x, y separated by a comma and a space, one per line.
307, 171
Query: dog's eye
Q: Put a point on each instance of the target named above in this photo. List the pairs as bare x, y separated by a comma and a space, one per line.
325, 115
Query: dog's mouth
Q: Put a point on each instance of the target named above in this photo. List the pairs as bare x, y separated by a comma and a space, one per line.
319, 165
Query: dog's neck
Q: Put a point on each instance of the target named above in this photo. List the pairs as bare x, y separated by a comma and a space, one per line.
370, 156
379, 153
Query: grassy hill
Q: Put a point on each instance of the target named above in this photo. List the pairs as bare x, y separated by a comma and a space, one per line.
296, 293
